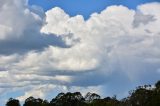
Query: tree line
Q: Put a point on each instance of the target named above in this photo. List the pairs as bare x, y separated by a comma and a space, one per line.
146, 95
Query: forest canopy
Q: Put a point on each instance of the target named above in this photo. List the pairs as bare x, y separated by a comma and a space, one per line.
145, 95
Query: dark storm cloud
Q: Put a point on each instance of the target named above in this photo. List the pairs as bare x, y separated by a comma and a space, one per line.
29, 42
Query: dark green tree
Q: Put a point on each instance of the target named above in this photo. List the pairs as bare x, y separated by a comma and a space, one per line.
91, 97
13, 102
155, 100
158, 84
146, 95
68, 99
31, 101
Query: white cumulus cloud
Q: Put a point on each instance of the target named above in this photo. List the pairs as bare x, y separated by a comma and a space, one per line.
116, 46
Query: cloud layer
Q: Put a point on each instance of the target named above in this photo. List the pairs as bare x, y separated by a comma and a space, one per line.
50, 50
20, 28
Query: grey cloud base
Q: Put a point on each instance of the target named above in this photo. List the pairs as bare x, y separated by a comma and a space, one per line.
55, 52
20, 29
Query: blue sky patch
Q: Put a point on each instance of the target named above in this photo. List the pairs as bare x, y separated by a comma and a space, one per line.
86, 7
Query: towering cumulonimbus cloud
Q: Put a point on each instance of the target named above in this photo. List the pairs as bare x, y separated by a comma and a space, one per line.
53, 50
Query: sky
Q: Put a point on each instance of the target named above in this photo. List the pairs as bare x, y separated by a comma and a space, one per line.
104, 46
86, 8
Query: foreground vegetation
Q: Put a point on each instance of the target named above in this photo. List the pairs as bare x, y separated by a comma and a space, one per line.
146, 95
